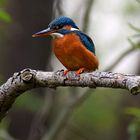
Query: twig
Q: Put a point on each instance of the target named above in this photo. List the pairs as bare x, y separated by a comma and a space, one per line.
29, 79
64, 115
133, 47
137, 29
87, 15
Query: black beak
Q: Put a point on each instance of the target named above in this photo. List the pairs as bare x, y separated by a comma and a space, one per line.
45, 32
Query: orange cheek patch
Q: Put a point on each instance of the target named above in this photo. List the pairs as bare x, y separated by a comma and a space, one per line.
67, 27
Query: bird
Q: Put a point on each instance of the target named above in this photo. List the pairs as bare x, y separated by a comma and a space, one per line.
73, 48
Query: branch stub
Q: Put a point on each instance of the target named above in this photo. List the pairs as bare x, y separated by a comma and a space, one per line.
26, 75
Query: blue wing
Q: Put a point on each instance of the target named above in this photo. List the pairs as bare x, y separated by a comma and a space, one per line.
87, 41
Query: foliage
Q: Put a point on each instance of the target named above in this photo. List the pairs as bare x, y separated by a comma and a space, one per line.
134, 126
136, 29
4, 15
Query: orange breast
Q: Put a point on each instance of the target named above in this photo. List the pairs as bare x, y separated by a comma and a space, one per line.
72, 54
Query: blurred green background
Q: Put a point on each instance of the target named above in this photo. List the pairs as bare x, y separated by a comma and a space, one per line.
71, 113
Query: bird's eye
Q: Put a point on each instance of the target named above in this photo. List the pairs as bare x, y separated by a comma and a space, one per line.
56, 27
60, 26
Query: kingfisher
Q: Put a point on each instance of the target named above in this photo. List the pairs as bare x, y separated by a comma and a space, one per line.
73, 48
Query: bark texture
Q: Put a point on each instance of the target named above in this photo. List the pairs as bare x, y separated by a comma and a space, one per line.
28, 79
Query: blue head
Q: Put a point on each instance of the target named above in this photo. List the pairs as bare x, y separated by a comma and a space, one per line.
61, 22
56, 25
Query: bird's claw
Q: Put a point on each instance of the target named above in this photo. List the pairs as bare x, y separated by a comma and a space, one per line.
66, 71
78, 72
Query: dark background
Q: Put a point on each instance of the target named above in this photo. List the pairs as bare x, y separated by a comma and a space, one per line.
106, 114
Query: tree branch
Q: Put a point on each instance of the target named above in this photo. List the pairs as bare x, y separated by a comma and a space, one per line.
29, 79
132, 48
86, 18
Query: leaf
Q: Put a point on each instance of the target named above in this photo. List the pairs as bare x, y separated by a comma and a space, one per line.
136, 35
4, 16
134, 27
133, 111
133, 44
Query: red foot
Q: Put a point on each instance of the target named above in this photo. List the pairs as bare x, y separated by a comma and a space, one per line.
66, 71
81, 70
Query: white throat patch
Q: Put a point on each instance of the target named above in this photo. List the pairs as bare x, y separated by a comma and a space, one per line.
57, 35
74, 29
